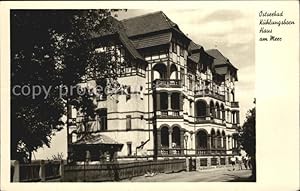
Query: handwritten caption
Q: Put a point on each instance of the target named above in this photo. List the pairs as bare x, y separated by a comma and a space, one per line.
269, 22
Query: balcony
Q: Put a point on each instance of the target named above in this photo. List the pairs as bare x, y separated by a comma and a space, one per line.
169, 114
167, 83
202, 119
170, 152
209, 119
234, 104
212, 151
209, 93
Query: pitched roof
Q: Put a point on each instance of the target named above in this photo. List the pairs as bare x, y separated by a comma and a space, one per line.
117, 28
221, 63
130, 47
148, 23
195, 57
219, 58
153, 40
194, 46
221, 70
96, 138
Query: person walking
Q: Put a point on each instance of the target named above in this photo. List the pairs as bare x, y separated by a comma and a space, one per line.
245, 161
233, 160
240, 162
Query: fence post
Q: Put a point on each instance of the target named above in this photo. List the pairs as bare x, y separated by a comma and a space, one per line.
208, 161
226, 161
198, 163
16, 176
42, 171
187, 162
219, 161
61, 170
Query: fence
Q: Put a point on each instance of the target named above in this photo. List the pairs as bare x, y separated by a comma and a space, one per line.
58, 171
36, 171
119, 171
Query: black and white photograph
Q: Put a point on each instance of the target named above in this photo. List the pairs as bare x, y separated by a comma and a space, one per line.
139, 94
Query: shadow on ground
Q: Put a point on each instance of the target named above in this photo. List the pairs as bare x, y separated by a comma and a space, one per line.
241, 179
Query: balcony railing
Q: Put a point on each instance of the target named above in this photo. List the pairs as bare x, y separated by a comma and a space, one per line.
209, 119
209, 93
165, 151
212, 151
235, 104
172, 151
169, 114
199, 119
167, 83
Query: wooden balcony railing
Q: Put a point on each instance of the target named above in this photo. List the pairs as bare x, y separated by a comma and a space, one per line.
167, 83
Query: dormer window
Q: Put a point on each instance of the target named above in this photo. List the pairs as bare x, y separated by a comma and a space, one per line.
174, 47
181, 51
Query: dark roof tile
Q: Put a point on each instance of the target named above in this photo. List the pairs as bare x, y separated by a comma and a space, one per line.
148, 23
193, 46
153, 40
195, 57
219, 58
118, 28
96, 138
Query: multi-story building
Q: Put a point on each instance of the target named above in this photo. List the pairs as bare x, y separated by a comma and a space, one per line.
179, 100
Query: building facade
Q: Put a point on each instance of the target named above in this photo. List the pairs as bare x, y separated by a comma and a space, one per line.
175, 98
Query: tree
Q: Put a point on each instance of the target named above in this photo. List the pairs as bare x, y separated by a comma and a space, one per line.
248, 138
49, 49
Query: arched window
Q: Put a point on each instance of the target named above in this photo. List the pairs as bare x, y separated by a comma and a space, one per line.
219, 139
164, 136
217, 111
224, 139
201, 139
176, 137
201, 108
223, 112
213, 138
159, 71
173, 72
212, 109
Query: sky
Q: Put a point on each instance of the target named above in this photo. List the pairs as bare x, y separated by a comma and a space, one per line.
229, 30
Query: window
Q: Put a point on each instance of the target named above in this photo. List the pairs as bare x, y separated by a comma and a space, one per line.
175, 101
191, 103
182, 76
174, 47
129, 148
103, 119
128, 122
164, 101
128, 96
181, 51
190, 83
141, 92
